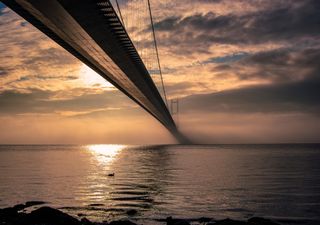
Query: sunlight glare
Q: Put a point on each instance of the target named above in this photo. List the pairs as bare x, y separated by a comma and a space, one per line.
105, 154
91, 78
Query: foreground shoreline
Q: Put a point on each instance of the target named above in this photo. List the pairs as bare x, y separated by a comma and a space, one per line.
44, 215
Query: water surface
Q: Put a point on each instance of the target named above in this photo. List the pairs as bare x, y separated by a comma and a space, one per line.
189, 181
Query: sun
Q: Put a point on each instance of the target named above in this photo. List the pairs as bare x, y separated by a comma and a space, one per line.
90, 78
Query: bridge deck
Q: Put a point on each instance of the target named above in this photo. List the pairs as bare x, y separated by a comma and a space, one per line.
92, 31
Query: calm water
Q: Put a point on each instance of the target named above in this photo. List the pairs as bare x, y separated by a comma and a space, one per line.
237, 181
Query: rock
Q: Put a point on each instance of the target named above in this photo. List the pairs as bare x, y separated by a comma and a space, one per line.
182, 222
230, 222
111, 175
122, 222
171, 221
33, 203
19, 207
9, 216
204, 220
49, 216
132, 212
85, 221
81, 214
261, 221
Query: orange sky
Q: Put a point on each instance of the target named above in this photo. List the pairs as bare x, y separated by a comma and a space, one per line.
245, 72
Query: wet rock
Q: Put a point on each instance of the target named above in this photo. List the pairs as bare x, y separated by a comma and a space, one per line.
9, 216
261, 221
204, 220
19, 207
33, 203
50, 216
171, 221
122, 222
132, 212
230, 222
182, 222
85, 221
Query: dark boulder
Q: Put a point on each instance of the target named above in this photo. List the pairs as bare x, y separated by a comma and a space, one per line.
230, 222
204, 220
261, 221
19, 207
49, 216
10, 215
33, 203
122, 222
85, 221
171, 221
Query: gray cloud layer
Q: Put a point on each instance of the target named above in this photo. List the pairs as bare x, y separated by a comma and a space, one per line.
290, 22
38, 101
301, 96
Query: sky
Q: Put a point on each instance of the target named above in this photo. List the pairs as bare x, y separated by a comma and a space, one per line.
245, 71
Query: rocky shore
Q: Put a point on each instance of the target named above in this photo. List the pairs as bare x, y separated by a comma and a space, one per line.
45, 215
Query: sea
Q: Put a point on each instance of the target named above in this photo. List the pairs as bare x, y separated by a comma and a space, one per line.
148, 183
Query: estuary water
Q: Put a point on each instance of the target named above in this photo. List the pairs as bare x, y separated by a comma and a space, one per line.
281, 182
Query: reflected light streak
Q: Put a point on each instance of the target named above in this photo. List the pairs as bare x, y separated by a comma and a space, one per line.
105, 154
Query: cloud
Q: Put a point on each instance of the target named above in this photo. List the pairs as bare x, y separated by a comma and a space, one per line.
291, 22
239, 67
299, 96
45, 102
282, 65
30, 60
226, 58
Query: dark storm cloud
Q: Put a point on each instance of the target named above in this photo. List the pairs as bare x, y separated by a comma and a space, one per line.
226, 58
38, 101
308, 57
283, 64
301, 96
291, 22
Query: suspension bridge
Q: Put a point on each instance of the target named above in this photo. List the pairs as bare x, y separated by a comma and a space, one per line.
101, 33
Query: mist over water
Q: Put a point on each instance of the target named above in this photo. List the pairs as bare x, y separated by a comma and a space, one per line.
189, 181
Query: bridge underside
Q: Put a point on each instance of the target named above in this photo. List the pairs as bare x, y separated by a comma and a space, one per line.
92, 31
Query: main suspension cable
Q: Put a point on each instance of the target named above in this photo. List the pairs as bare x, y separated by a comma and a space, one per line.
157, 53
117, 3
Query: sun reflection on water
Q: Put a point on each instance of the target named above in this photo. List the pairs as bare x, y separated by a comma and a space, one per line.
105, 154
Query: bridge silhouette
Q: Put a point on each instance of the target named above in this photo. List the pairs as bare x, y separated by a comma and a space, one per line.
94, 32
